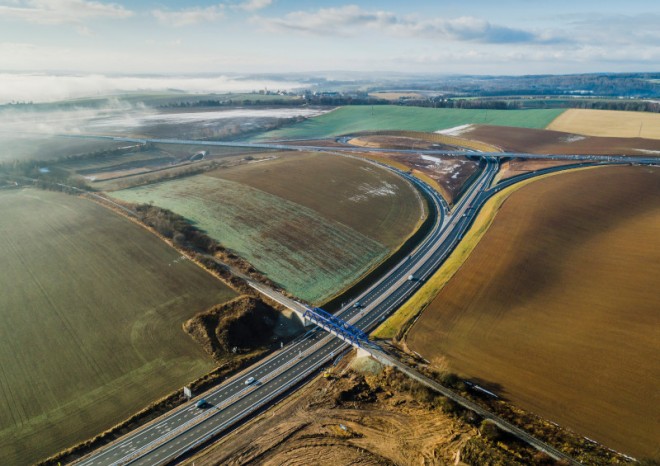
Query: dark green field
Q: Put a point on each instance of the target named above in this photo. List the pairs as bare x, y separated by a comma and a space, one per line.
91, 310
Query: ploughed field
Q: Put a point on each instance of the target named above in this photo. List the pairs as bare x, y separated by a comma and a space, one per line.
353, 119
557, 142
313, 223
91, 308
557, 308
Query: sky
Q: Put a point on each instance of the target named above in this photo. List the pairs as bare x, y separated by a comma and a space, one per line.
188, 37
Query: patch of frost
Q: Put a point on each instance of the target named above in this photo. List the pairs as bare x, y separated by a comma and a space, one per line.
573, 138
456, 130
366, 191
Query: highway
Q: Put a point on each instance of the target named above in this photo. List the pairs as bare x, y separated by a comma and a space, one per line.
187, 427
358, 149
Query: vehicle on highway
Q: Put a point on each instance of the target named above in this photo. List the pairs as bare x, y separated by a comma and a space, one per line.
357, 305
249, 380
411, 278
202, 403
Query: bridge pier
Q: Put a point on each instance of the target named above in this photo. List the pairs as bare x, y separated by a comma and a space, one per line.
375, 355
305, 321
363, 353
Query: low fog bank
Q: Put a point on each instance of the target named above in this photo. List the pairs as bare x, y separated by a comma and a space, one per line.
34, 132
16, 87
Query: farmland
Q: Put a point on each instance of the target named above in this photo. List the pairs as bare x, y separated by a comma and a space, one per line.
349, 191
136, 164
312, 223
353, 119
92, 308
609, 123
557, 142
555, 302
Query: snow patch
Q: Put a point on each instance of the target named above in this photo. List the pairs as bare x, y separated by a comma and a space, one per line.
445, 167
648, 151
366, 191
456, 130
573, 138
430, 158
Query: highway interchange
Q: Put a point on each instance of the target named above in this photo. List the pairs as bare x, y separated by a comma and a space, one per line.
186, 428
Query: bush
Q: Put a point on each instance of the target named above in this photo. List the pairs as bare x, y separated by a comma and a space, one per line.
490, 431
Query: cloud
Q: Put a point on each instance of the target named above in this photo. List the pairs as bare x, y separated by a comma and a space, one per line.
189, 16
328, 21
61, 11
253, 5
196, 15
350, 20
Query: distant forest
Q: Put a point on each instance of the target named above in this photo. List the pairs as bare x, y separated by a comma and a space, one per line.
630, 92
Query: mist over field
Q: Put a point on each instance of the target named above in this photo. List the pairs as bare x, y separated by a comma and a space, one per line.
36, 132
15, 87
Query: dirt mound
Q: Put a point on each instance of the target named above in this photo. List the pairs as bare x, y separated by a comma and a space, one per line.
239, 326
557, 142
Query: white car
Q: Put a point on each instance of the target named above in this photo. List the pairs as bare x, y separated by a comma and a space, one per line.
249, 380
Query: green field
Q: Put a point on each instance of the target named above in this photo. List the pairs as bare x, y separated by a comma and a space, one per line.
312, 223
353, 119
91, 308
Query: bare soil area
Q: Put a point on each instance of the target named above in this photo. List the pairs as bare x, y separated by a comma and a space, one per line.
539, 141
557, 308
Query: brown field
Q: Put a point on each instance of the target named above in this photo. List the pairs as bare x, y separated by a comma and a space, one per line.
419, 139
514, 167
608, 123
557, 308
372, 201
555, 142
